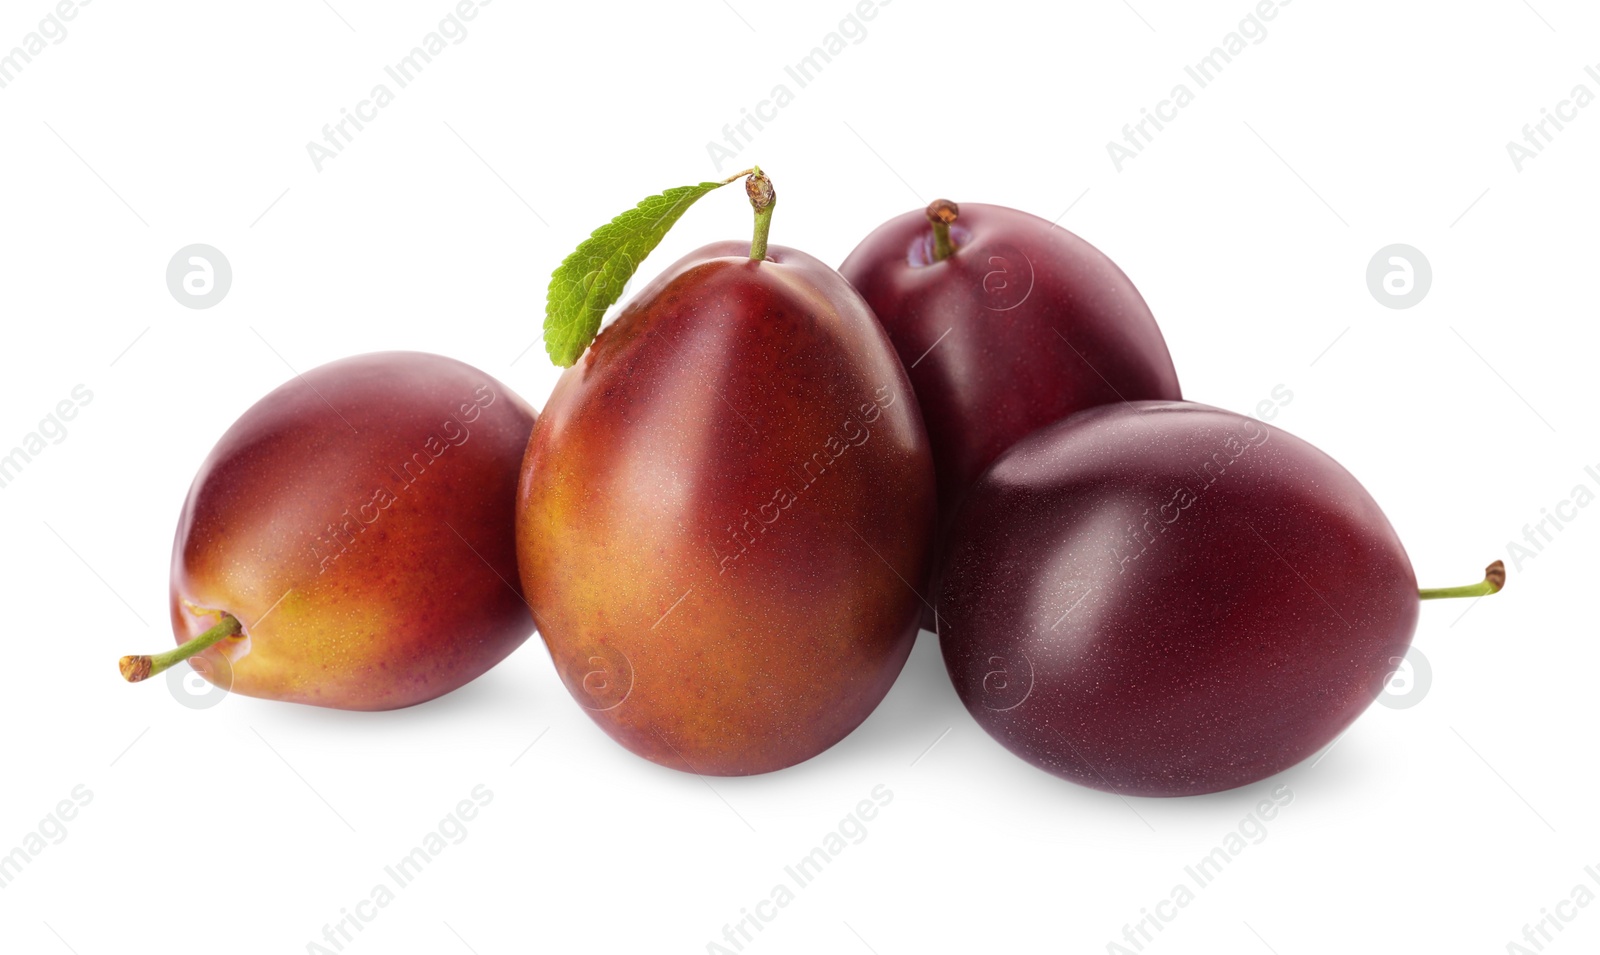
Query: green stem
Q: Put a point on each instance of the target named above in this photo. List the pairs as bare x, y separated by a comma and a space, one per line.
763, 199
1494, 578
137, 668
942, 212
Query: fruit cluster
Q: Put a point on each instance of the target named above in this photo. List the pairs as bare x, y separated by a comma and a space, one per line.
745, 493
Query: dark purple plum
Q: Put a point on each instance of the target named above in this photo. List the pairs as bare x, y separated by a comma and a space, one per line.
1005, 322
1161, 598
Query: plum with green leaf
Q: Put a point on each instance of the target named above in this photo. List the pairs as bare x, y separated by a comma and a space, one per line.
723, 498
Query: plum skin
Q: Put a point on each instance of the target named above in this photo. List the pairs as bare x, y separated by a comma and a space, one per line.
1025, 324
338, 610
716, 512
1165, 599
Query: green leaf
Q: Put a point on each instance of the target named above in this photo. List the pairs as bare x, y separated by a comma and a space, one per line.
591, 279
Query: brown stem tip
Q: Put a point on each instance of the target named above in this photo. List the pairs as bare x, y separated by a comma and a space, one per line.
943, 211
759, 189
134, 669
1495, 574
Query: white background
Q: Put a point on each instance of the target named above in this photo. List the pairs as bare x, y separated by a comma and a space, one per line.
1248, 225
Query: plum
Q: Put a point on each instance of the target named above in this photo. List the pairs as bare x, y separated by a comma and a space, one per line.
1005, 323
1163, 598
348, 542
720, 510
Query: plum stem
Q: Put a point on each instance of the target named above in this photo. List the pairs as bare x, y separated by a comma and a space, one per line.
763, 199
942, 212
1494, 578
137, 668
